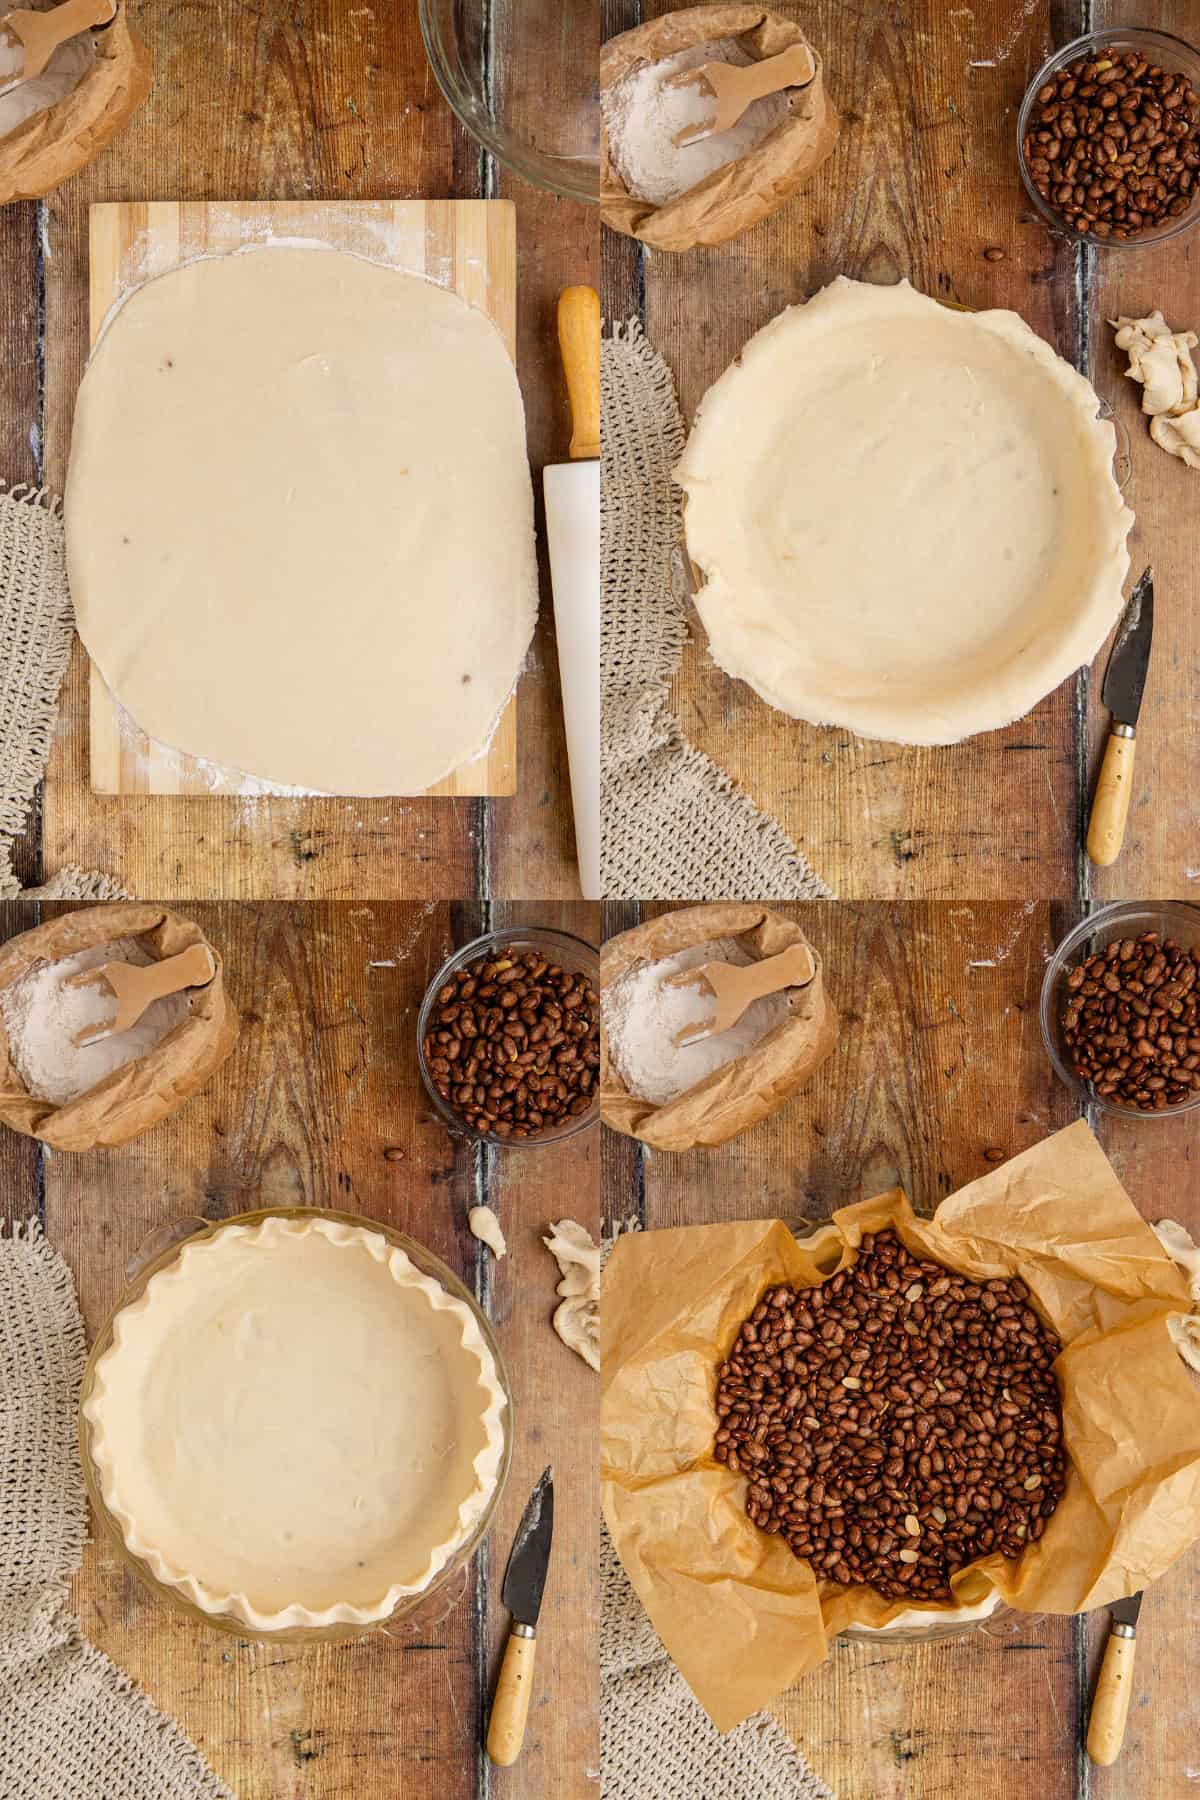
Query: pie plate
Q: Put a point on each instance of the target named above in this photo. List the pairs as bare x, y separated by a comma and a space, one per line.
903, 516
252, 1440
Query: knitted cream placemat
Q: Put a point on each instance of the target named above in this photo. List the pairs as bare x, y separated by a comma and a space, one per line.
72, 1727
674, 827
656, 1740
36, 624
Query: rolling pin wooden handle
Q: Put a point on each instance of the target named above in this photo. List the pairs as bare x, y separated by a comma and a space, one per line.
510, 1708
579, 341
1110, 1704
1110, 807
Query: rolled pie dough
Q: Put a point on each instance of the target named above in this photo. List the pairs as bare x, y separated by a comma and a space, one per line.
904, 517
300, 520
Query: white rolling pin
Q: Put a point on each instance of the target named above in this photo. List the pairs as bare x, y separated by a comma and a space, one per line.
572, 493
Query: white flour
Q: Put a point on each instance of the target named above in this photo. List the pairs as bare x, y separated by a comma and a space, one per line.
642, 1016
642, 115
41, 1017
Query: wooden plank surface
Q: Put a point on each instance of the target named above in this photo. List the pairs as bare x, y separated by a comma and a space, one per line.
1161, 858
336, 102
467, 246
321, 1104
922, 184
559, 1397
940, 1075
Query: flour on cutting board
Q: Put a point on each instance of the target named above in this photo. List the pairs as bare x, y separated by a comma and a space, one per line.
148, 753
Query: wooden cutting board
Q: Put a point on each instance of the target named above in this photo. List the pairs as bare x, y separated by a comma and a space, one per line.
468, 246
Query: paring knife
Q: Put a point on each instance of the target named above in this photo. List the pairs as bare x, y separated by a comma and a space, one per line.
572, 493
524, 1582
1123, 685
1110, 1703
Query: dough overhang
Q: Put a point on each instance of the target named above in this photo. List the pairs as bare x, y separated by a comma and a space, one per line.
905, 518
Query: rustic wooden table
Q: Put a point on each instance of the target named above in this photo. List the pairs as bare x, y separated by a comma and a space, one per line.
939, 1075
922, 184
322, 1104
272, 101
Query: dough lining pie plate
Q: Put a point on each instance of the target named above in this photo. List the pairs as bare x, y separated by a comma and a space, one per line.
904, 517
298, 1423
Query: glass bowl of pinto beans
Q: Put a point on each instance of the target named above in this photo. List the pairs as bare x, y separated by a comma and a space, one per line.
509, 1038
1120, 1009
1108, 138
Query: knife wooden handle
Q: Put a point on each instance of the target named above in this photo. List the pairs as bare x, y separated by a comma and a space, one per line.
1110, 1704
579, 341
1110, 806
510, 1708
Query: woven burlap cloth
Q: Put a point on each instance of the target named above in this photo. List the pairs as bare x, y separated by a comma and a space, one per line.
674, 827
36, 623
72, 1727
656, 1740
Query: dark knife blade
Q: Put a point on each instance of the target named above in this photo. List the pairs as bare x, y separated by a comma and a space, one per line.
1130, 659
1125, 1612
529, 1558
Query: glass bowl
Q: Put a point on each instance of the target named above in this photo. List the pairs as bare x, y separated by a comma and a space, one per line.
522, 77
572, 953
173, 1239
1127, 918
1158, 47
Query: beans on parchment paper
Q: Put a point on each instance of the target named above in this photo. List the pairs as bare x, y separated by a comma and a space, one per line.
896, 1422
513, 1043
1113, 144
1131, 1022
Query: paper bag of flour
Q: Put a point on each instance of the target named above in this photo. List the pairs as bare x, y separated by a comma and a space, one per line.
739, 194
136, 1096
742, 1092
55, 142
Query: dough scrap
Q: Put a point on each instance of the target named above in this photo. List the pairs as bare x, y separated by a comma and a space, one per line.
577, 1320
484, 1225
1161, 359
1179, 436
904, 516
300, 520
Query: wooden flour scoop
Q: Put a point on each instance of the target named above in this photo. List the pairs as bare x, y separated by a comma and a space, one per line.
737, 88
736, 988
137, 987
40, 33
